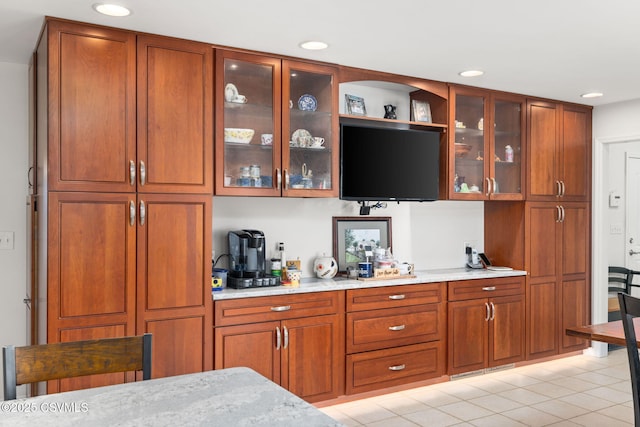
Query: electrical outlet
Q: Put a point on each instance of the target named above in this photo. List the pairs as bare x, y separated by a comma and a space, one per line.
615, 228
6, 240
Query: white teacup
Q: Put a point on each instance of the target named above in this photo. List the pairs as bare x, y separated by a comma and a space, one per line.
317, 141
266, 138
240, 99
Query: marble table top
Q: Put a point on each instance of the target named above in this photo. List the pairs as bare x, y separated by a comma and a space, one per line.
231, 397
337, 283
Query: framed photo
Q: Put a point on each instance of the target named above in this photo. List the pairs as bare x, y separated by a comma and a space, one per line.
355, 105
352, 234
421, 111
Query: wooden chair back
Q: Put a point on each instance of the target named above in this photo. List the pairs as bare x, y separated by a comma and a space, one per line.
630, 308
35, 363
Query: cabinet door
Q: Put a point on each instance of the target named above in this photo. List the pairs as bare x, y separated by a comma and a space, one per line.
313, 357
576, 153
507, 159
91, 261
507, 330
248, 112
310, 136
575, 312
543, 148
542, 232
543, 301
173, 284
175, 116
469, 168
576, 239
468, 329
92, 108
254, 346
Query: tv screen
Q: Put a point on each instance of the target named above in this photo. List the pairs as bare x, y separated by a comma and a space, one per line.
388, 164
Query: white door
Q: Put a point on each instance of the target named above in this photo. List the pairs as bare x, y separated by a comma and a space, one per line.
632, 229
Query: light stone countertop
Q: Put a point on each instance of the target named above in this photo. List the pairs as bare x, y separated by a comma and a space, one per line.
223, 398
338, 284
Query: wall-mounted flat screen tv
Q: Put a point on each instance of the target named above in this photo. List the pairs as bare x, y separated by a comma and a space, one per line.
388, 164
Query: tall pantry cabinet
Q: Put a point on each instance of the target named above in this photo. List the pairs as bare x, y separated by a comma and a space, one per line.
549, 235
125, 148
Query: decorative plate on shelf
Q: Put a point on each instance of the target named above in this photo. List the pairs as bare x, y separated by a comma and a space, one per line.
307, 103
301, 135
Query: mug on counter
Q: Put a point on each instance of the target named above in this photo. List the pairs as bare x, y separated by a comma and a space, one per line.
365, 269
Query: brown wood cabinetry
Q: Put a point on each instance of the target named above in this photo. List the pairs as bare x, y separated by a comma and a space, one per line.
296, 341
486, 323
116, 259
395, 335
262, 95
559, 151
484, 126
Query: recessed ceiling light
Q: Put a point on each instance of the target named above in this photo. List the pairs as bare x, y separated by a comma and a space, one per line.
471, 73
111, 9
592, 95
314, 45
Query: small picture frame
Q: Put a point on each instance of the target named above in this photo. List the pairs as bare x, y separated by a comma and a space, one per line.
355, 105
352, 234
421, 111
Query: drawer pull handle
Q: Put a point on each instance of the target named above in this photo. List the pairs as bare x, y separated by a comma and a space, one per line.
281, 308
397, 367
489, 288
399, 296
397, 328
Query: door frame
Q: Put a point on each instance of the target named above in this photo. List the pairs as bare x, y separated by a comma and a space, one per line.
599, 267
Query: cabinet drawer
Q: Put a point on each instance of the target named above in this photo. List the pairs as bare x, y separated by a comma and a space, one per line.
385, 368
395, 296
485, 288
377, 329
262, 309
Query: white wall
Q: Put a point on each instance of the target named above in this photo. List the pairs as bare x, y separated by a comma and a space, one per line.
430, 234
13, 193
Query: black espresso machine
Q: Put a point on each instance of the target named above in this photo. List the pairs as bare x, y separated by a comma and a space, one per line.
248, 264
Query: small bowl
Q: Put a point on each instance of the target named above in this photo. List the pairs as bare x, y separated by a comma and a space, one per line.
238, 135
462, 149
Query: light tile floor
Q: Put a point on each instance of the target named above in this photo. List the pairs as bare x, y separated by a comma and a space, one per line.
575, 391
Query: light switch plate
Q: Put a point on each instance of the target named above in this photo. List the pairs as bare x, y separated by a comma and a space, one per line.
6, 240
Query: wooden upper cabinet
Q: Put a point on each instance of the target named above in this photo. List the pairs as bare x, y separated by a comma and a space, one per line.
92, 107
175, 116
559, 154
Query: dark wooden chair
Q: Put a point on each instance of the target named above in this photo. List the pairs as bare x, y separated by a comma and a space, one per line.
620, 280
630, 309
35, 363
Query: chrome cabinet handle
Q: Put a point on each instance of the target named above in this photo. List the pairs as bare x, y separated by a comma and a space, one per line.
397, 328
562, 214
143, 212
558, 189
132, 213
493, 311
488, 186
397, 297
132, 172
562, 188
493, 185
489, 288
278, 179
286, 179
281, 308
286, 337
488, 315
29, 173
397, 367
559, 214
278, 338
143, 173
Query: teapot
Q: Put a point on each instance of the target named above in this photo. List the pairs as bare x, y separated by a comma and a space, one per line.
325, 267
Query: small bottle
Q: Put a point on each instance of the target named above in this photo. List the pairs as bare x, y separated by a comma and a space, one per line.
508, 154
283, 259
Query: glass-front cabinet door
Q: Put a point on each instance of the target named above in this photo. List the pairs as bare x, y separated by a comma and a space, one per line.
310, 136
486, 139
248, 114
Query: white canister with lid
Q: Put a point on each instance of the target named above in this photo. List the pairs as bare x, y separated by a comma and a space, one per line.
508, 154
